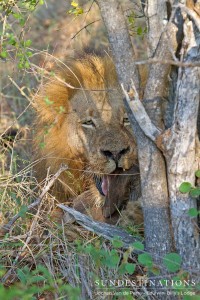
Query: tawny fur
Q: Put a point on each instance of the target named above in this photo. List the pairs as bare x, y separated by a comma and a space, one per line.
80, 92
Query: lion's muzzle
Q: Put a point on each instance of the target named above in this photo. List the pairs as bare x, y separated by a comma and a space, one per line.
115, 155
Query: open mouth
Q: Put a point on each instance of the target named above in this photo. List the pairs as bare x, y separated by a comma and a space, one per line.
104, 182
115, 188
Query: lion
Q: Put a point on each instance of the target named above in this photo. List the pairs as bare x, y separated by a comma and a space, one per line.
81, 122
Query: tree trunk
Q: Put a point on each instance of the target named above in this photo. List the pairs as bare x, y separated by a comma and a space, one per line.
180, 149
158, 238
161, 175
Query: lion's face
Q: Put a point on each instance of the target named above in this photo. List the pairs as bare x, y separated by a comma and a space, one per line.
98, 129
94, 130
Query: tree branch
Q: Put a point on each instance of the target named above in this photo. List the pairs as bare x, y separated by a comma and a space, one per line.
102, 229
140, 114
167, 62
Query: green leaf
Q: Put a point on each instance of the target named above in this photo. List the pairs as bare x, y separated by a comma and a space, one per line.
172, 261
193, 212
145, 259
138, 246
23, 211
117, 243
22, 276
36, 279
112, 259
47, 101
42, 145
21, 22
185, 187
20, 65
190, 297
139, 31
29, 53
130, 268
27, 43
3, 54
122, 269
61, 109
197, 173
17, 16
195, 192
26, 65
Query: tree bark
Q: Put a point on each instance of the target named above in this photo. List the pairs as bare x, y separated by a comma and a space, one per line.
180, 149
158, 238
161, 176
154, 183
120, 41
108, 231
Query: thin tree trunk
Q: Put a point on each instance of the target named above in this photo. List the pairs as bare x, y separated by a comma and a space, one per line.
158, 239
120, 42
180, 149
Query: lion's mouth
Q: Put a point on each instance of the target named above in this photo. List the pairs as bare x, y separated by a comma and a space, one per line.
106, 180
115, 188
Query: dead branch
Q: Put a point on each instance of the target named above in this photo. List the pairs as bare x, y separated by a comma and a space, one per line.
102, 229
6, 228
140, 114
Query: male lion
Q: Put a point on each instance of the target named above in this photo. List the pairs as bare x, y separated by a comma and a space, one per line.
81, 121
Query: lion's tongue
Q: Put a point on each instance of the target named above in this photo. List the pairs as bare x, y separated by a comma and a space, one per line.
109, 186
105, 185
107, 180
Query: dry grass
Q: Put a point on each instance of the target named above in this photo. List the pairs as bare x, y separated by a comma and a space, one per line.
40, 259
53, 261
72, 256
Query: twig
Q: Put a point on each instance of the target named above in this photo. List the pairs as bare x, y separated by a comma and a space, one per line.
167, 62
84, 28
6, 228
19, 89
106, 230
140, 114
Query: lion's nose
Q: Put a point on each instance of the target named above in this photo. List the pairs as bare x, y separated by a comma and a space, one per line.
115, 155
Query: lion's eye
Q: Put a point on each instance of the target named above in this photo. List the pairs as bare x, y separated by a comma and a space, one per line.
126, 121
88, 123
